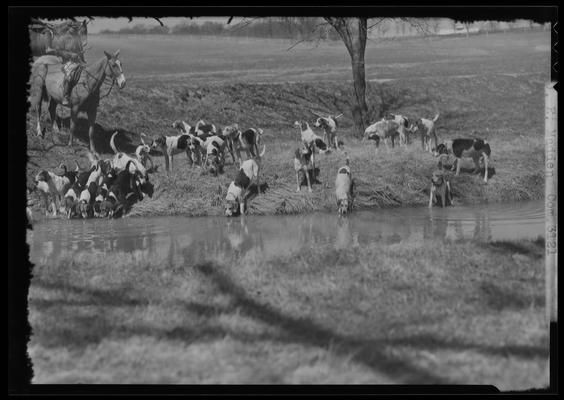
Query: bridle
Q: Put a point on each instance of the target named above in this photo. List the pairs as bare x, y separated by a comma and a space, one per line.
107, 78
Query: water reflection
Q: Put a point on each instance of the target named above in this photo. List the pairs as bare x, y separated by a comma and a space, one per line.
173, 241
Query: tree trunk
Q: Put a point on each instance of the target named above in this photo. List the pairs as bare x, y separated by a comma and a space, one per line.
354, 32
360, 109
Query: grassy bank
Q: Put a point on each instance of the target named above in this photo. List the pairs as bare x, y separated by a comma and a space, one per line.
372, 314
505, 110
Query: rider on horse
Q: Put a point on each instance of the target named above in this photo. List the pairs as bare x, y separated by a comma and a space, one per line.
72, 66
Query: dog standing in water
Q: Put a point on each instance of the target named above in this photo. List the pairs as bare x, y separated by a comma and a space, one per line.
344, 189
440, 189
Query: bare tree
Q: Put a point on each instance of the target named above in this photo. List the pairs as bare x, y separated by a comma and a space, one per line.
353, 31
467, 26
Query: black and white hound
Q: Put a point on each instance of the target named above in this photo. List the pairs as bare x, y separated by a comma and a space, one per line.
476, 149
236, 198
248, 141
172, 145
120, 159
124, 192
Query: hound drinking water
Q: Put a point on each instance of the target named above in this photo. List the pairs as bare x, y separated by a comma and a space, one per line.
236, 198
344, 190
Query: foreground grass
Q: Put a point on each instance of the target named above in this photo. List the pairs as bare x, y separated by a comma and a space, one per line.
417, 313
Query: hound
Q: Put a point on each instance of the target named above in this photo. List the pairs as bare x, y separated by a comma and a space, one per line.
171, 145
329, 125
183, 127
142, 153
200, 129
54, 186
84, 207
121, 159
303, 157
476, 149
71, 199
215, 147
311, 139
382, 130
127, 188
249, 141
236, 198
344, 189
426, 127
203, 128
403, 125
440, 189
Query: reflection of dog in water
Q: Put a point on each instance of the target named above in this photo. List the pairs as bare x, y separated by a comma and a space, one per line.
440, 189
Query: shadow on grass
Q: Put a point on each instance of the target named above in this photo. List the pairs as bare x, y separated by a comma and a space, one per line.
472, 171
533, 249
302, 330
125, 141
77, 330
499, 298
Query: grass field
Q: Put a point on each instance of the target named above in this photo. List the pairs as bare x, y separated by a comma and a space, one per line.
213, 59
427, 313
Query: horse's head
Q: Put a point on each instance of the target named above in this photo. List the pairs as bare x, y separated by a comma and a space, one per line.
114, 69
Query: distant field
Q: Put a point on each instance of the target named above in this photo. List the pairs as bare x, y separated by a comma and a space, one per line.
207, 59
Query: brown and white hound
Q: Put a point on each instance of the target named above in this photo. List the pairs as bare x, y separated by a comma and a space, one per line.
403, 126
382, 130
426, 128
303, 162
248, 141
329, 125
344, 189
440, 189
236, 198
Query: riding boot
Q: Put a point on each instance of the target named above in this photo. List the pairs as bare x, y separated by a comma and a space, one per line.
66, 94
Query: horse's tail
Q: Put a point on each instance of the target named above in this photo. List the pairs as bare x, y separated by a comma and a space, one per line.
113, 145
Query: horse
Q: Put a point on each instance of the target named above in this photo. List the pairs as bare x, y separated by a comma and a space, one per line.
47, 78
68, 36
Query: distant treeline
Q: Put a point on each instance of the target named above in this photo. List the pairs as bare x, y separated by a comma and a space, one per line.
299, 28
302, 28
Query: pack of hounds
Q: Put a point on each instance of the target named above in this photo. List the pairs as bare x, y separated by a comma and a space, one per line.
110, 187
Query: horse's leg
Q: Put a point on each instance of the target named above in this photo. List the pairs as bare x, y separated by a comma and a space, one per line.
73, 118
92, 113
37, 107
53, 115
